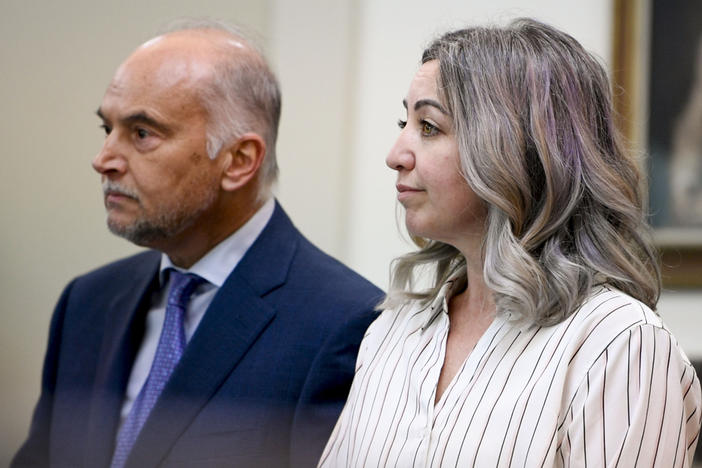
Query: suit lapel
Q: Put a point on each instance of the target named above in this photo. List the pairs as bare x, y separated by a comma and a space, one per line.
233, 322
123, 333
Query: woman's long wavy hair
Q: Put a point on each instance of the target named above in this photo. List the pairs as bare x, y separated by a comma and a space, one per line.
535, 126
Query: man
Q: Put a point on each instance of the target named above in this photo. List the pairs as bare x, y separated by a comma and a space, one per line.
249, 362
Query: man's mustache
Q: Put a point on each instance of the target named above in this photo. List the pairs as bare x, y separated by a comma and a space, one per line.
110, 187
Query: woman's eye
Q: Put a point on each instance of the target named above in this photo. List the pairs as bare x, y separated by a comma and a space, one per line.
106, 129
428, 129
401, 123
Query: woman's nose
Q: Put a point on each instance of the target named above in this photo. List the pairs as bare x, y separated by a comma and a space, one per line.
400, 157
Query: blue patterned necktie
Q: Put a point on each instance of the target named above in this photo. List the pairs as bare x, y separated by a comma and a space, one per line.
170, 348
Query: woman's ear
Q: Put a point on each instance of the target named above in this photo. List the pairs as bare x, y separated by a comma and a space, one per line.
242, 161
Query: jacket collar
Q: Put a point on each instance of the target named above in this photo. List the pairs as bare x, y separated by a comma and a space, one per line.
234, 320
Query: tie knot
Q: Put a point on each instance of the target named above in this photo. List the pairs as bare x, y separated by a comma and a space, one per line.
182, 287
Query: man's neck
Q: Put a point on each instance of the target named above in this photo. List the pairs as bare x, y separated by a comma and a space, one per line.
196, 241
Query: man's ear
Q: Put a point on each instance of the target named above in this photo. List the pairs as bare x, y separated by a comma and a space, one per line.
242, 160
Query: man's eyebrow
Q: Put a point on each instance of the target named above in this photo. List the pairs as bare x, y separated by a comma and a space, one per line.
426, 102
137, 117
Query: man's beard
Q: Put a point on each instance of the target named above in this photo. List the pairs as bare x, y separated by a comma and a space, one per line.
148, 230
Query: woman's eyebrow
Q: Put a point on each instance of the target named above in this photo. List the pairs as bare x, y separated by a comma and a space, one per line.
426, 102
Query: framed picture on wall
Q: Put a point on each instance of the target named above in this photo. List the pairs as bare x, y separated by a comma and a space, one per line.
657, 77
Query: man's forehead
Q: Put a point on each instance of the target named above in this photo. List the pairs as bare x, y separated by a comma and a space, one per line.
185, 54
163, 68
174, 67
163, 86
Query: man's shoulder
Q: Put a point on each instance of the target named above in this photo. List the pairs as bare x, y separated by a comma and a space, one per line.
324, 267
328, 281
89, 298
310, 268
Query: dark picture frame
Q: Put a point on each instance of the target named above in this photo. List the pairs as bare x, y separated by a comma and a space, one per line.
655, 78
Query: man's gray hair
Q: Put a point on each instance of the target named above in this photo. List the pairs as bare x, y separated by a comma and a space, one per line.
244, 96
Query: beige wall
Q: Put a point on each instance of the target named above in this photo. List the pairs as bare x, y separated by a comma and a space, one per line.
312, 50
344, 67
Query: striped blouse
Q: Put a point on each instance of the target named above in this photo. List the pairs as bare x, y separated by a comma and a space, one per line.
609, 386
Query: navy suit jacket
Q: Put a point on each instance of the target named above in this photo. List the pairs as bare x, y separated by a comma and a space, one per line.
261, 382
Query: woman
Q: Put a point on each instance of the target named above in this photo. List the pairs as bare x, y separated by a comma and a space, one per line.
535, 343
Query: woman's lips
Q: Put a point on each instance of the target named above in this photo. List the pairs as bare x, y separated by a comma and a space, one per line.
405, 191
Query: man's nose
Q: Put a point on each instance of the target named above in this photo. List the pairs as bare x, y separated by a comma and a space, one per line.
111, 158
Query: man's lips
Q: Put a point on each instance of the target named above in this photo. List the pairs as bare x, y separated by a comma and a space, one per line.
115, 196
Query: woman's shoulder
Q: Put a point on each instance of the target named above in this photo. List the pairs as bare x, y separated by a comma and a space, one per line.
610, 321
616, 309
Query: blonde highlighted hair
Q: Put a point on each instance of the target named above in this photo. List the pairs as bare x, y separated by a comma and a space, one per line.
533, 116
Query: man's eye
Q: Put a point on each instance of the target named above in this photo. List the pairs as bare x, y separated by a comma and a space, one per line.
401, 123
142, 133
106, 129
428, 129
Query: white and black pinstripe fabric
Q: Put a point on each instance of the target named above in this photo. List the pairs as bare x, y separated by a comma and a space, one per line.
607, 387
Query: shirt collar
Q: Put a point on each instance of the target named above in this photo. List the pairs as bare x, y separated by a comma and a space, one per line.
219, 262
455, 283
